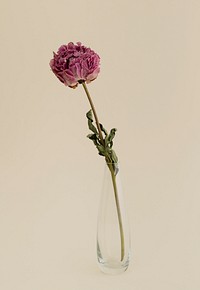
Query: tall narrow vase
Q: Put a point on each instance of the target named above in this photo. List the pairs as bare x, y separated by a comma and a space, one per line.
113, 236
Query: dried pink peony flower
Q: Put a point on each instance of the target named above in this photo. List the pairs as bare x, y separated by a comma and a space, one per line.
75, 63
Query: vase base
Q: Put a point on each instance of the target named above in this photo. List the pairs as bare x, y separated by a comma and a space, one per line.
113, 268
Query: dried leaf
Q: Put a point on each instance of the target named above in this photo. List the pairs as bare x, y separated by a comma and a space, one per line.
90, 121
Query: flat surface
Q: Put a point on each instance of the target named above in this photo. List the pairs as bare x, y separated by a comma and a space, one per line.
50, 173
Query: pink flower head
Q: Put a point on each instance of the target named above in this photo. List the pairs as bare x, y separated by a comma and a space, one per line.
75, 63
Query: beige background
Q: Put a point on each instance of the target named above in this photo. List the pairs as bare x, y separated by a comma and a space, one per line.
50, 174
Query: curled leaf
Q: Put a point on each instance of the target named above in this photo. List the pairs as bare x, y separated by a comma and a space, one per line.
111, 135
103, 129
104, 149
90, 121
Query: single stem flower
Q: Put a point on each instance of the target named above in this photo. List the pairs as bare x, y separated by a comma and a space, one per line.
75, 64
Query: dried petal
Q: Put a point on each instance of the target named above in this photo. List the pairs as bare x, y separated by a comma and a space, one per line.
75, 63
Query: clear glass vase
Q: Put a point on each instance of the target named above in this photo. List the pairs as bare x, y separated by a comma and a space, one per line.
113, 235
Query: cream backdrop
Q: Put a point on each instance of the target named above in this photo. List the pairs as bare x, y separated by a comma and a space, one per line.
50, 174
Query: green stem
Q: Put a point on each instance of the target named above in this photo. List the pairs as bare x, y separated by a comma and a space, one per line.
118, 210
112, 173
94, 112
